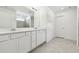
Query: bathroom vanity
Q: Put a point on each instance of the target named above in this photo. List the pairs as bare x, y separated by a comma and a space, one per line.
21, 40
24, 34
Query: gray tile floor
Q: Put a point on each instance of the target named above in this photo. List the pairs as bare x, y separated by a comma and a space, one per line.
58, 45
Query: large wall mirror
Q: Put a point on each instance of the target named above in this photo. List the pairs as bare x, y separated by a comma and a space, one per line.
24, 20
24, 17
16, 17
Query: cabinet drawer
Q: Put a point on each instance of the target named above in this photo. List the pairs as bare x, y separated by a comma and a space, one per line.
9, 46
28, 33
33, 45
17, 35
4, 37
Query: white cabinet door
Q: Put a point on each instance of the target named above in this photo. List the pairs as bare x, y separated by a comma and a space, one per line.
9, 46
37, 19
40, 37
24, 43
34, 39
21, 44
28, 42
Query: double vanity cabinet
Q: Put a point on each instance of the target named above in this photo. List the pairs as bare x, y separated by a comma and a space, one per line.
21, 41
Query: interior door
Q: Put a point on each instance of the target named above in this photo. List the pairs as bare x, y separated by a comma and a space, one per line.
70, 24
60, 26
66, 24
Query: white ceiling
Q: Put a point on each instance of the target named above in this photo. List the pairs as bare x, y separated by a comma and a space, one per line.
57, 9
29, 10
21, 9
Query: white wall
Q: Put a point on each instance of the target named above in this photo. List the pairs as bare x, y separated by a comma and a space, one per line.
40, 19
50, 25
78, 25
7, 18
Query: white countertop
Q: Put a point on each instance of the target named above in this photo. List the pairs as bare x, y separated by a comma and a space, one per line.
7, 31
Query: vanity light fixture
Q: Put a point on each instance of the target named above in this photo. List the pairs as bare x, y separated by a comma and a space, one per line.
34, 9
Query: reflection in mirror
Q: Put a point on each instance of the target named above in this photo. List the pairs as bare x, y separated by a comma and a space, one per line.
24, 20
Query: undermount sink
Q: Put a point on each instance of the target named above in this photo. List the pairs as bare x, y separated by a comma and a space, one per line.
13, 29
35, 27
